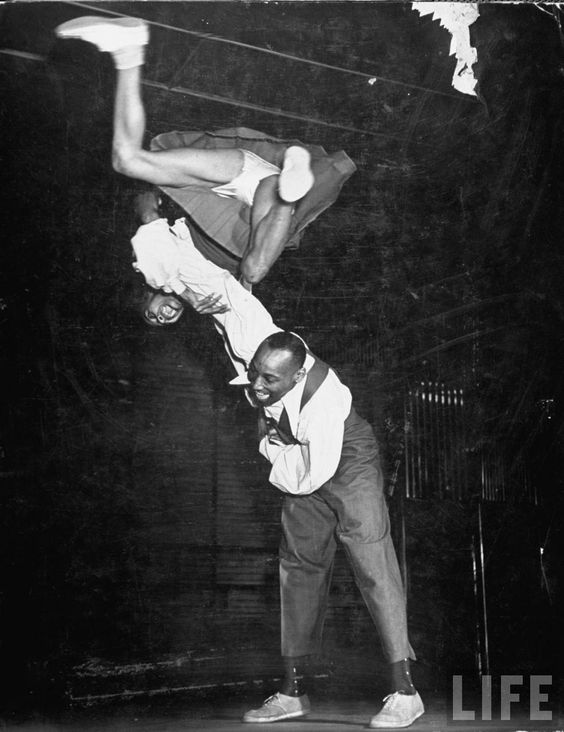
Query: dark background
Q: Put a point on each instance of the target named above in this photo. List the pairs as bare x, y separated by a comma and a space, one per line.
139, 532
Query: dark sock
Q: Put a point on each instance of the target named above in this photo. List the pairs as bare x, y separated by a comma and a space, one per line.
296, 671
401, 677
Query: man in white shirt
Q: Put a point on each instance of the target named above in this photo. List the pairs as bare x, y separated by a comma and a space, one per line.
323, 456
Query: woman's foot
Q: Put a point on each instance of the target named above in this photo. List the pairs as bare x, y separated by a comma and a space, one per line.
296, 177
124, 38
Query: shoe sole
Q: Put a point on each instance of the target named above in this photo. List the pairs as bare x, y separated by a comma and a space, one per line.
296, 178
397, 726
264, 720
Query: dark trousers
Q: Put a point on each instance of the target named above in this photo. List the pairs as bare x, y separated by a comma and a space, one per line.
350, 507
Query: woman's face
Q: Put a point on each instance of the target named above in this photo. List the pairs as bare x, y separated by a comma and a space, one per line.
162, 309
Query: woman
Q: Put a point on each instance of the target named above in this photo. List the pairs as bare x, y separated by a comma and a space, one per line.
251, 193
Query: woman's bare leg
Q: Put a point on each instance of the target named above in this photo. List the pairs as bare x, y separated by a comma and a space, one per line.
125, 40
274, 199
271, 218
179, 167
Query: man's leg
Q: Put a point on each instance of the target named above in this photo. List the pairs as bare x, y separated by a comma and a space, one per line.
307, 552
365, 535
364, 530
376, 570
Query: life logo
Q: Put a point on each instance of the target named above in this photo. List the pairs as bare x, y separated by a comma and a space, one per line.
503, 698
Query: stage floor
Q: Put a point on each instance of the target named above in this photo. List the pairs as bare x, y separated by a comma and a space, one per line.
218, 716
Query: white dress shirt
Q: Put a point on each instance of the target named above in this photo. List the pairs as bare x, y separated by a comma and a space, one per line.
167, 258
319, 427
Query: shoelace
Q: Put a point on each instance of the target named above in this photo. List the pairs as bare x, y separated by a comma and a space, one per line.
390, 700
271, 699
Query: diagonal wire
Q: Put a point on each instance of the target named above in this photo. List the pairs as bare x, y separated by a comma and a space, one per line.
219, 39
188, 60
226, 100
268, 110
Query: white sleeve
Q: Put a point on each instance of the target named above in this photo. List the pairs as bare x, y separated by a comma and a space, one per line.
302, 469
169, 261
157, 256
247, 322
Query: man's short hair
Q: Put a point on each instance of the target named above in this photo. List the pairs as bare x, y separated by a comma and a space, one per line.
285, 341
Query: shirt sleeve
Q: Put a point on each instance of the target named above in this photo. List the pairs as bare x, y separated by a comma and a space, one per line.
157, 256
245, 325
302, 469
169, 261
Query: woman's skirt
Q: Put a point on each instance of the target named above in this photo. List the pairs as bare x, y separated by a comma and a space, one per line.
227, 221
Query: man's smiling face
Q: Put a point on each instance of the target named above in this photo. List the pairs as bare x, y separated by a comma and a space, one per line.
273, 373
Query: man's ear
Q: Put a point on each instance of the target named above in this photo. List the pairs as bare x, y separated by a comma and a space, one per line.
299, 375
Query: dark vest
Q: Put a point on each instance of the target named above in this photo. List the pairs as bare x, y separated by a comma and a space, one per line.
359, 458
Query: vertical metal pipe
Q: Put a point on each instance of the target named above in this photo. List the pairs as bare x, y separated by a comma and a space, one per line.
476, 605
435, 449
430, 439
446, 443
417, 438
433, 438
459, 446
484, 598
456, 431
456, 446
488, 477
435, 453
424, 394
483, 491
463, 442
407, 437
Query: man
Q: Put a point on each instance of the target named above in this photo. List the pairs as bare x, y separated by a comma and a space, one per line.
323, 456
250, 193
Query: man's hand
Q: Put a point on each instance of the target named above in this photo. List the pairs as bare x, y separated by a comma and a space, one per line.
274, 436
208, 305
